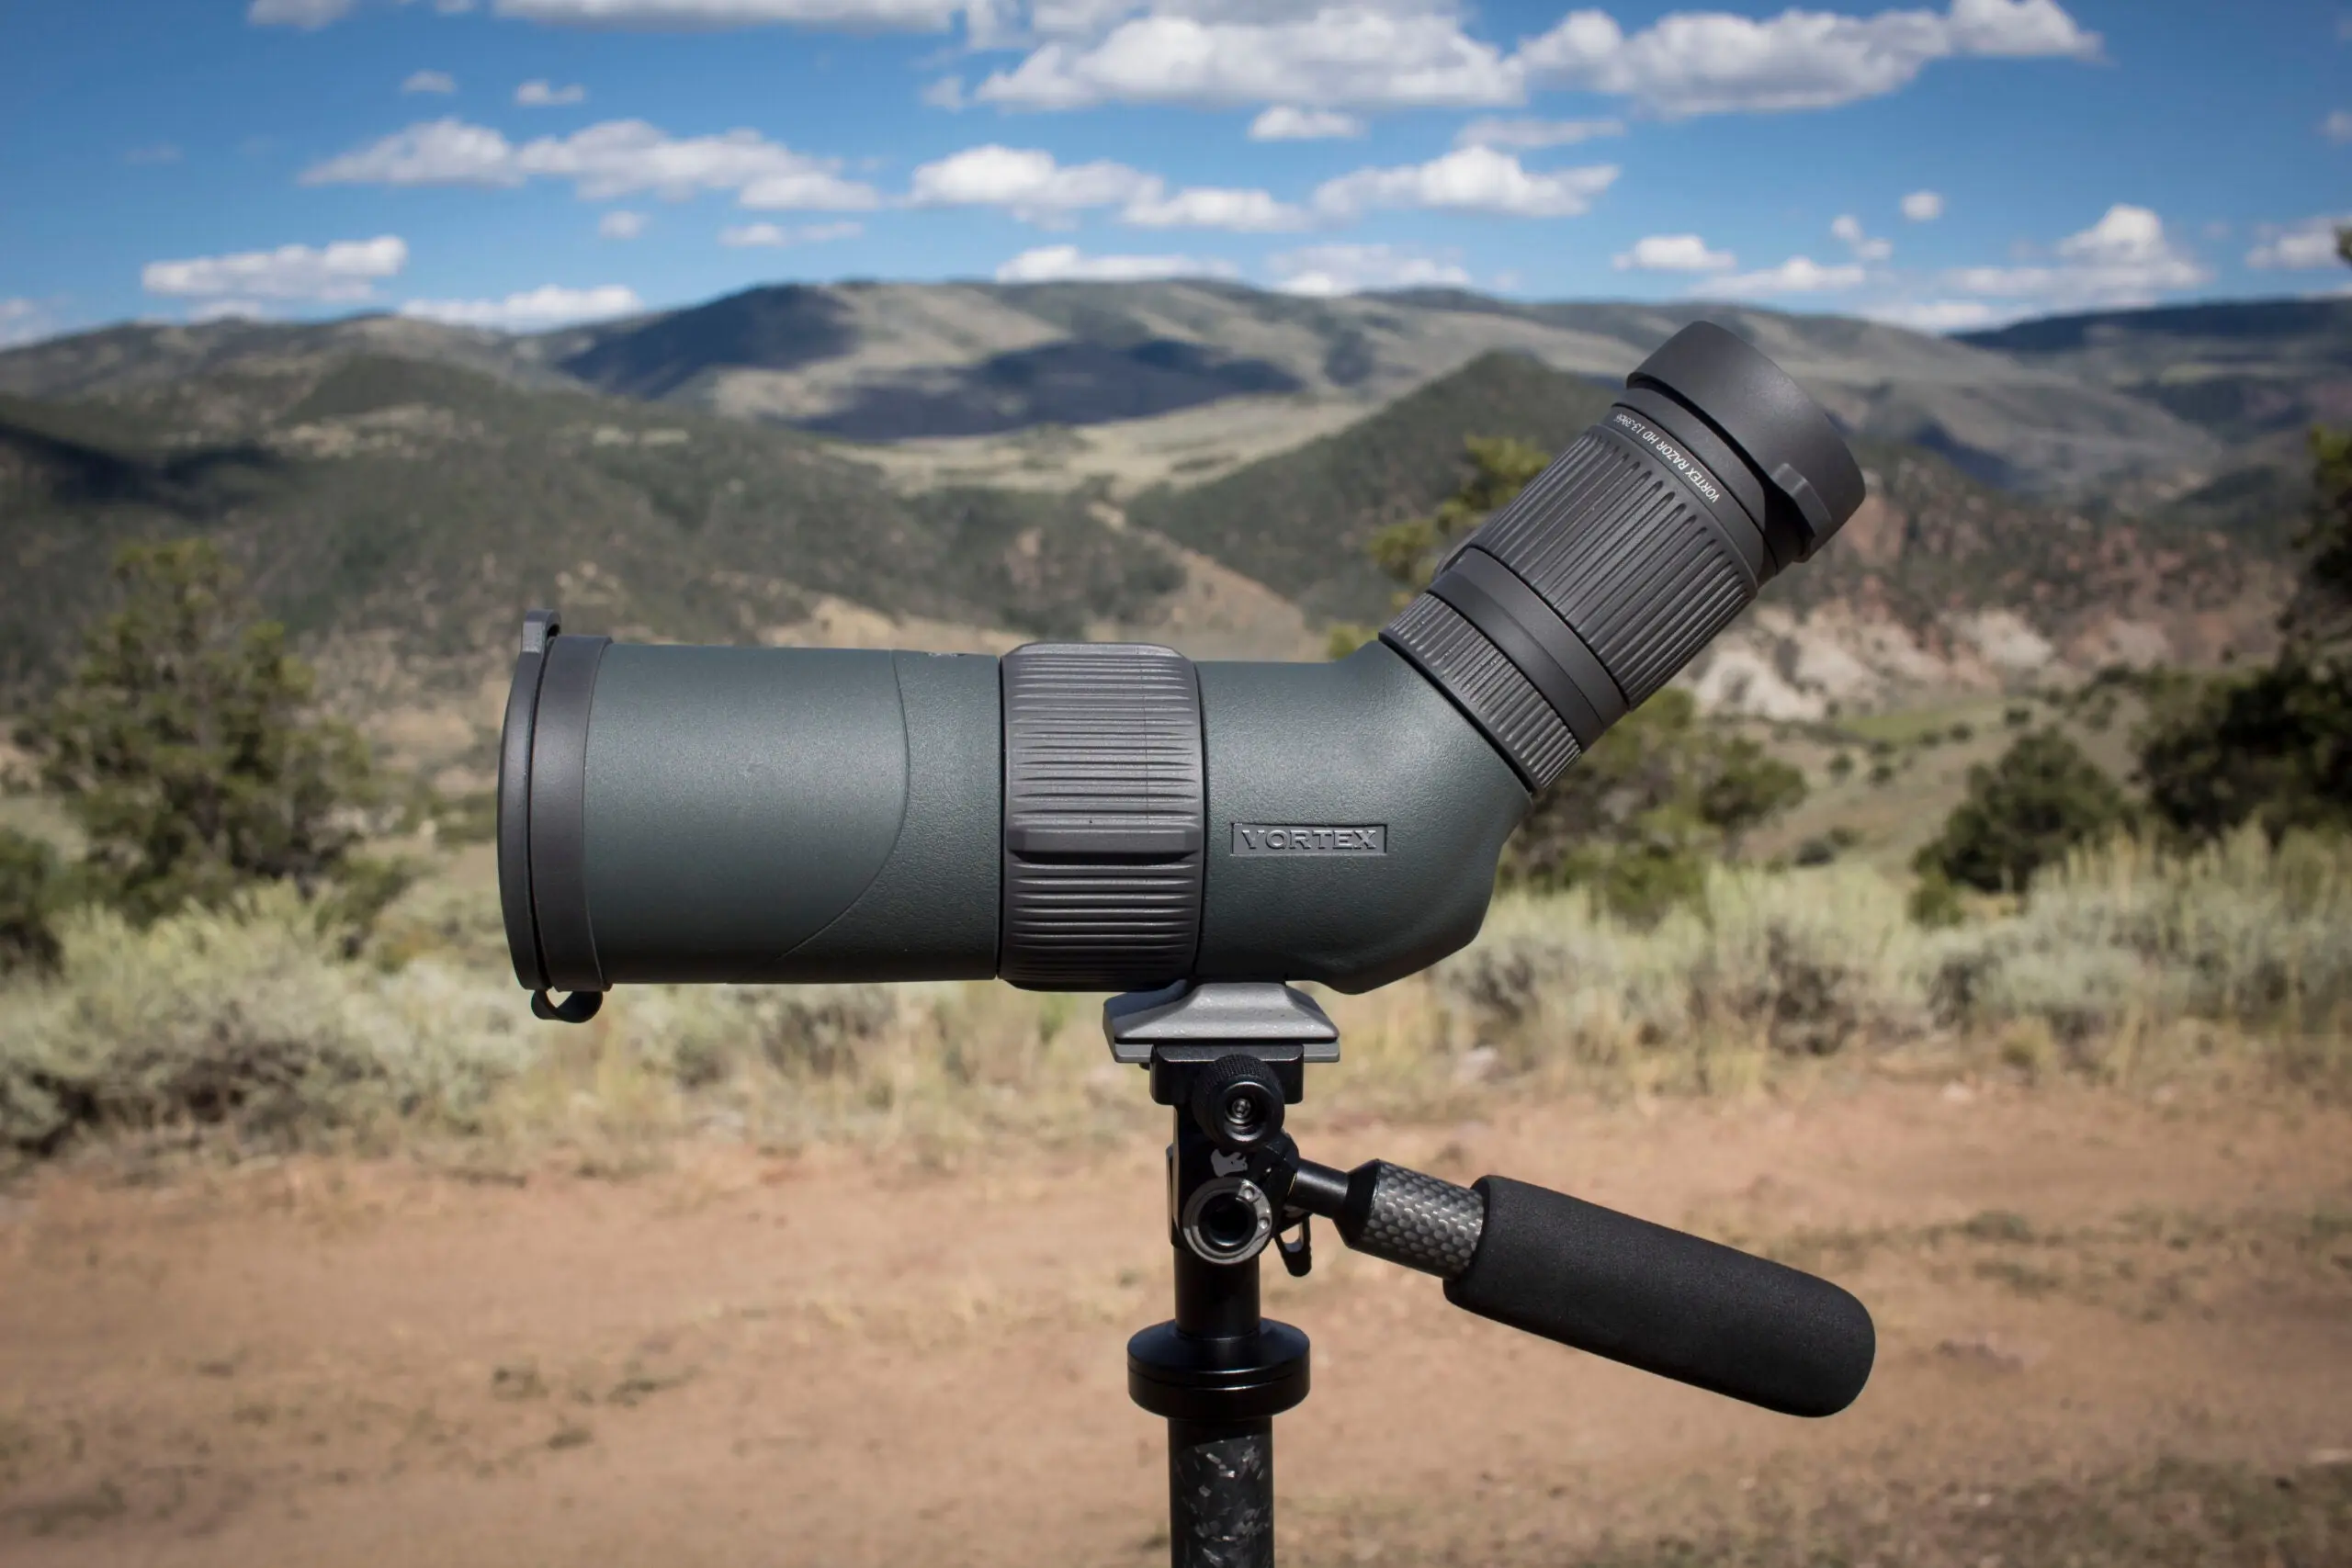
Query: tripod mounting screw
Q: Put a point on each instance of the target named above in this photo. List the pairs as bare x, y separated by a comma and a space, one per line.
1237, 1102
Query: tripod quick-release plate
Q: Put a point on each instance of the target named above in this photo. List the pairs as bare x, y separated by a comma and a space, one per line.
1183, 1028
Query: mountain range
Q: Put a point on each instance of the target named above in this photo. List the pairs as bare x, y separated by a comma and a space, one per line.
968, 464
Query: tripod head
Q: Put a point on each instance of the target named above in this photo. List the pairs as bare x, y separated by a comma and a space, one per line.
1229, 1059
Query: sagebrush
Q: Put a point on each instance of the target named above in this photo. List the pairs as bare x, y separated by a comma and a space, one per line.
250, 1026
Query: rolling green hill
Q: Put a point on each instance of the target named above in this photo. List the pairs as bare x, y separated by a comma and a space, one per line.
384, 496
1298, 521
429, 503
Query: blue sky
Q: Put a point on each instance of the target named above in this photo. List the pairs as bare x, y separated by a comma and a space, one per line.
522, 163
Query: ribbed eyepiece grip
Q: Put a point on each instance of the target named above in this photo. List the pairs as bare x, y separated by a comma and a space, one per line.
1665, 1302
1617, 564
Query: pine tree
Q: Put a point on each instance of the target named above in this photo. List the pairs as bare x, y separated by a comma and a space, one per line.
185, 747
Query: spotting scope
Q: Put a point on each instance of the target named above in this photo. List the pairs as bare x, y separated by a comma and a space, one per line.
1112, 816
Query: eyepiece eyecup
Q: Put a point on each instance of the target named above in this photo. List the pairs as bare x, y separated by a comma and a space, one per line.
1774, 424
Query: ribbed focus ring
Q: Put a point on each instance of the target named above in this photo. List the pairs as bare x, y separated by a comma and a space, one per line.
1105, 804
1626, 556
1489, 686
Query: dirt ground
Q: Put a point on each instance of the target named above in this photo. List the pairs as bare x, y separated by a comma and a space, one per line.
2111, 1330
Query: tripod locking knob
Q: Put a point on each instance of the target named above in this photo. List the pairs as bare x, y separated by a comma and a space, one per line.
1237, 1102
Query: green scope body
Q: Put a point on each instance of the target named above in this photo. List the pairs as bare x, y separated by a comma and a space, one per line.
1113, 816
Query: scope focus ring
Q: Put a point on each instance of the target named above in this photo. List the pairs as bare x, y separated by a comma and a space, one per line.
1105, 797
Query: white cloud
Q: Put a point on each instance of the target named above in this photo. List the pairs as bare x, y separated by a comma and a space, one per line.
1922, 206
911, 16
1527, 134
1063, 264
2337, 126
1325, 270
21, 321
621, 224
1714, 63
1203, 206
540, 94
1306, 55
1849, 228
1339, 54
1469, 179
616, 158
1938, 315
550, 306
777, 235
670, 16
344, 271
2125, 258
947, 93
1285, 122
1033, 188
1673, 252
2299, 247
297, 13
1028, 182
229, 310
429, 81
438, 152
149, 156
1798, 275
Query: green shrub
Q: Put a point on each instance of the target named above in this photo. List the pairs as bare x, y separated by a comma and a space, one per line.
1640, 818
2239, 932
2042, 798
243, 1019
2273, 748
1795, 965
28, 897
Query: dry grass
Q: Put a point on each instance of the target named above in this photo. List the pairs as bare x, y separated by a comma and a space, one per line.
246, 1030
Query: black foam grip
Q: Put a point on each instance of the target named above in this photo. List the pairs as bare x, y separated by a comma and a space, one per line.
1666, 1301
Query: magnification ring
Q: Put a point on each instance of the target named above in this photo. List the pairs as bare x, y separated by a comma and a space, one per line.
1105, 797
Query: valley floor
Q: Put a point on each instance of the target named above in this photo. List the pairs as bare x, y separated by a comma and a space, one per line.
2112, 1330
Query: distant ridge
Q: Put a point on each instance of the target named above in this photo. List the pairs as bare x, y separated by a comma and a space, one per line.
888, 362
2247, 369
